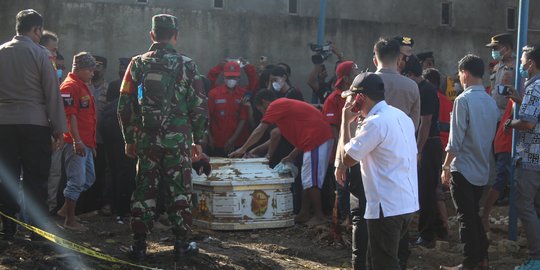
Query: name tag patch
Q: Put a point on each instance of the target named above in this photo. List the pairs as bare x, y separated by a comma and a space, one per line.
68, 100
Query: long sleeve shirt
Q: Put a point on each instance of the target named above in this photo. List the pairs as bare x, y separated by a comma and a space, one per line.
472, 130
29, 91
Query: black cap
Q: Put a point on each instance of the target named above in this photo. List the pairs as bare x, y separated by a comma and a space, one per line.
501, 39
365, 83
425, 55
124, 61
100, 60
405, 41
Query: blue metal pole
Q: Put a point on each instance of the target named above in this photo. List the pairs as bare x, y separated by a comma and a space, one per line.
320, 37
523, 27
322, 20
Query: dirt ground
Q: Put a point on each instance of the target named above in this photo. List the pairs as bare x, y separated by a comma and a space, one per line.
289, 248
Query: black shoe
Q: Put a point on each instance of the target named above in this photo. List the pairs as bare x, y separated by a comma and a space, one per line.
184, 249
138, 249
424, 243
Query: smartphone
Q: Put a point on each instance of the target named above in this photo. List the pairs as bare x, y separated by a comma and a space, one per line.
503, 90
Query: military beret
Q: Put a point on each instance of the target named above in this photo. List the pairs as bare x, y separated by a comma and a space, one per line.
164, 21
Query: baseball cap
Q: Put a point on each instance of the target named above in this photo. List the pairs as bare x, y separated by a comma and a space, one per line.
164, 21
500, 39
342, 70
100, 60
364, 83
425, 55
231, 69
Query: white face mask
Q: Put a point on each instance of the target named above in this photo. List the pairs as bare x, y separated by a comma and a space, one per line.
277, 85
231, 83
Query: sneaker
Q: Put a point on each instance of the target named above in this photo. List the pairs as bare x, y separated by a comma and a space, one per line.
529, 265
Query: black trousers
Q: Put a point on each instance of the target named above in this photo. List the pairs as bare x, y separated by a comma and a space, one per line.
429, 173
26, 150
466, 197
385, 234
120, 186
360, 231
359, 226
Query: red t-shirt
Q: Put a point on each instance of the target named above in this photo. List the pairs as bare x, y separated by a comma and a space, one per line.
333, 105
78, 101
445, 109
299, 122
225, 112
503, 141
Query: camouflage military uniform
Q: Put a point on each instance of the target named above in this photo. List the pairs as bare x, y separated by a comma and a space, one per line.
162, 116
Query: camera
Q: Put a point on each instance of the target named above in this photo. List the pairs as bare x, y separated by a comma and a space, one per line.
322, 52
503, 90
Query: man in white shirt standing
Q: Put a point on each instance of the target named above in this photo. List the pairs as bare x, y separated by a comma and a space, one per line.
385, 146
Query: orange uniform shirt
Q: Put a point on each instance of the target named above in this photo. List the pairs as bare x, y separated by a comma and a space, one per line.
225, 112
78, 101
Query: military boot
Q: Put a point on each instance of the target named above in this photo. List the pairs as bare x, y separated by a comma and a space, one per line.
183, 249
138, 249
9, 228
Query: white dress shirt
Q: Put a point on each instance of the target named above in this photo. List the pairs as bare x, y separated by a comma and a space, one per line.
385, 146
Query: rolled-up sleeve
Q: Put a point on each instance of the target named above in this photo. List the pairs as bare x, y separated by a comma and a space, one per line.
458, 125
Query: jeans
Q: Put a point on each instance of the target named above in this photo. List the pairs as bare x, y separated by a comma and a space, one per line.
79, 172
466, 197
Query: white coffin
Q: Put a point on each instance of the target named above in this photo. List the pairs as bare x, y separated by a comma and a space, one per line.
242, 194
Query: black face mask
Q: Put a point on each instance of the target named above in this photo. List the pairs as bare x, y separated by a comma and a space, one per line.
97, 76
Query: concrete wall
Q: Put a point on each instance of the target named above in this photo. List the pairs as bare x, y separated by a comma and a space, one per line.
249, 28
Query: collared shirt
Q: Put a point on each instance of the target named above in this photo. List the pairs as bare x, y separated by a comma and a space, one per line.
528, 148
386, 148
402, 93
498, 78
78, 101
472, 130
225, 111
100, 95
29, 92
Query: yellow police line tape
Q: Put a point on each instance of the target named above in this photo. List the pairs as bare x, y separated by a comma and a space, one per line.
73, 246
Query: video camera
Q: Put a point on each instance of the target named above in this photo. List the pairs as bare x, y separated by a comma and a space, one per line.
322, 52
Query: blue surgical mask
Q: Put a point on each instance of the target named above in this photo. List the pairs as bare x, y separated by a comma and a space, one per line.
59, 73
496, 55
523, 72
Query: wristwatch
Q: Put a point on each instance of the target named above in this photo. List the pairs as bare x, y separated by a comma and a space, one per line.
447, 167
507, 123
